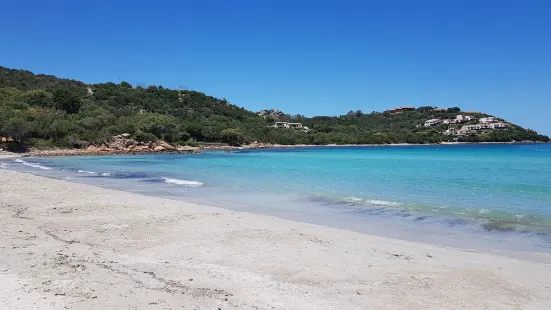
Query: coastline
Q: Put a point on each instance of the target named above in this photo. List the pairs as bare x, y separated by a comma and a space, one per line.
168, 149
112, 249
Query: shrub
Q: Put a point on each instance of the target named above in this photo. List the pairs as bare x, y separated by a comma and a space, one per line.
76, 142
192, 143
145, 137
232, 137
41, 143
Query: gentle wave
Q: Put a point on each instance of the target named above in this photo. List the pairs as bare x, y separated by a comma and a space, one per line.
377, 202
183, 182
383, 202
490, 220
3, 166
34, 165
103, 174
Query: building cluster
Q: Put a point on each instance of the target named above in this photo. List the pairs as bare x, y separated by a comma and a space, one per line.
484, 124
458, 120
400, 110
297, 126
409, 109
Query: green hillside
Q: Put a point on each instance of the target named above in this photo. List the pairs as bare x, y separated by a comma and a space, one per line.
46, 111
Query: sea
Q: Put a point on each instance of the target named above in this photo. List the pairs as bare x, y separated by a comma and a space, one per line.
493, 198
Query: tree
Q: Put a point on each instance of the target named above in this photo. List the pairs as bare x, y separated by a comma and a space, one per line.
125, 84
232, 137
65, 100
39, 98
17, 129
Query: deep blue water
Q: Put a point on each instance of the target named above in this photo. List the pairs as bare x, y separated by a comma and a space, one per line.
477, 196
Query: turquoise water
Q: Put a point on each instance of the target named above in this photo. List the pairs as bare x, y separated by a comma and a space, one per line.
476, 196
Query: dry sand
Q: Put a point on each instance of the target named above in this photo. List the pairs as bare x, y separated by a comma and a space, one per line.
74, 246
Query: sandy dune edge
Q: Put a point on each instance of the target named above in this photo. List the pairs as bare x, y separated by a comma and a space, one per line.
66, 245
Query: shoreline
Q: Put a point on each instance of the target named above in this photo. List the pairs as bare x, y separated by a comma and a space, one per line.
97, 151
458, 238
112, 249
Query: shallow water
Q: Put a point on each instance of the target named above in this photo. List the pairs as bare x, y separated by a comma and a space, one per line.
491, 197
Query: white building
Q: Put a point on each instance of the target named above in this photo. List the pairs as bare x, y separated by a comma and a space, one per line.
281, 125
498, 126
450, 132
471, 127
432, 122
486, 120
290, 125
295, 125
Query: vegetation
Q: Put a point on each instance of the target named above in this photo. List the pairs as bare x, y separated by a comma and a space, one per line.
45, 111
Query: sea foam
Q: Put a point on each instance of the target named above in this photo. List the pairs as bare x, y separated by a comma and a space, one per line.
86, 171
377, 202
383, 203
34, 165
183, 182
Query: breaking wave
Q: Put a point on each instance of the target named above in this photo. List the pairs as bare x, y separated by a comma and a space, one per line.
183, 182
34, 165
85, 171
3, 166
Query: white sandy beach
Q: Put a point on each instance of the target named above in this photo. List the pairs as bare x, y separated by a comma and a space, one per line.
72, 246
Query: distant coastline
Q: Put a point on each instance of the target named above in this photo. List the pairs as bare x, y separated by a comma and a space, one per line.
54, 117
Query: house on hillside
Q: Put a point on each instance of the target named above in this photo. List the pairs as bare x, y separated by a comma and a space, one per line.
450, 132
297, 126
486, 120
498, 126
450, 121
464, 118
400, 110
281, 125
432, 122
458, 119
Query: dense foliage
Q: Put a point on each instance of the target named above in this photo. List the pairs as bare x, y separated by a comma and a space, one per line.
44, 111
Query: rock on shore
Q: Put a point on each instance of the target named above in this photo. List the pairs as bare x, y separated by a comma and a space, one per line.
120, 144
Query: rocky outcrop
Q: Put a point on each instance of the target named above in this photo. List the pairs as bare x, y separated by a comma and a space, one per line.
120, 144
273, 113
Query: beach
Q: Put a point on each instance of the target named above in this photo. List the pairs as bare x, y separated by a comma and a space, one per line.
75, 246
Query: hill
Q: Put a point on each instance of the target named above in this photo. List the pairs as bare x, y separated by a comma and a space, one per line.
46, 111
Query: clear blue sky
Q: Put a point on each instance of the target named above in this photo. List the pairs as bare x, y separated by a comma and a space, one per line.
308, 57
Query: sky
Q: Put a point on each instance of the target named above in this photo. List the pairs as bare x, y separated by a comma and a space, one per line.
301, 57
